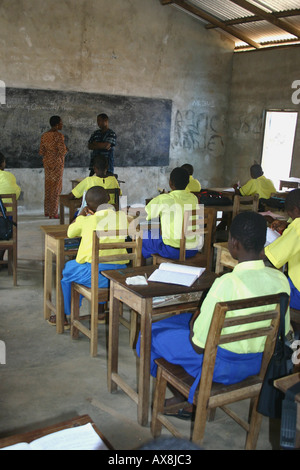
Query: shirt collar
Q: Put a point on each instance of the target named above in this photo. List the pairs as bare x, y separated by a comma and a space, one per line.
245, 265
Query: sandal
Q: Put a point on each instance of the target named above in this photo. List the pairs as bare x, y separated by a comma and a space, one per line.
183, 414
52, 321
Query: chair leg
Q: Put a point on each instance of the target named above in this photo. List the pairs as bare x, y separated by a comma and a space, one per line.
158, 403
255, 419
133, 329
94, 329
75, 297
201, 416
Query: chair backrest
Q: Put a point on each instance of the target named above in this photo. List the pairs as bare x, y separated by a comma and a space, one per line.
10, 203
266, 310
115, 192
245, 203
198, 222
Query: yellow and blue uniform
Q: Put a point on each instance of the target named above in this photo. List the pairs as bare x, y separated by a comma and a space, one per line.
286, 249
79, 270
109, 182
236, 361
262, 186
8, 185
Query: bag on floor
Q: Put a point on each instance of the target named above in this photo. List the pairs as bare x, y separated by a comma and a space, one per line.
213, 198
6, 224
270, 399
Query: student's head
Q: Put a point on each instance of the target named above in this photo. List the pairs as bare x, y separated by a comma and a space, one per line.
95, 197
189, 168
292, 204
102, 120
247, 235
2, 161
179, 178
100, 165
55, 121
256, 171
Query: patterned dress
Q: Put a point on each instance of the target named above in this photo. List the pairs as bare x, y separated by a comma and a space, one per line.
53, 150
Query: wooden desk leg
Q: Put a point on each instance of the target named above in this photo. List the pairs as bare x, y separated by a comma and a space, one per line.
59, 297
144, 368
219, 267
113, 339
47, 281
61, 213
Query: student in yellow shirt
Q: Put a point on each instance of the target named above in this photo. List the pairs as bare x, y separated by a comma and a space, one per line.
98, 214
99, 178
194, 185
169, 208
258, 184
286, 249
181, 339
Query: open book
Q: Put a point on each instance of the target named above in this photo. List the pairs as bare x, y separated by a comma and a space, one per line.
76, 438
172, 273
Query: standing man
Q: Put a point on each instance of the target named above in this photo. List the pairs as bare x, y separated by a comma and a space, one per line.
102, 142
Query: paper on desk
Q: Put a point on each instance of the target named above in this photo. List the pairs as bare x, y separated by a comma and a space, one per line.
272, 235
76, 438
136, 281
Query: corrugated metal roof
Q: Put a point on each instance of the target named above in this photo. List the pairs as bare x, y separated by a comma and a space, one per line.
245, 20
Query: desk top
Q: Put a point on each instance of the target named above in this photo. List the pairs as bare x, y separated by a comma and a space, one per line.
284, 383
157, 289
55, 231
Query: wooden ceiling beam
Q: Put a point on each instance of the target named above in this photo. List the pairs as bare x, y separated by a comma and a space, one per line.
289, 28
211, 19
250, 19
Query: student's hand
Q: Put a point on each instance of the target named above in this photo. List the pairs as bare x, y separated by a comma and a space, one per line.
279, 225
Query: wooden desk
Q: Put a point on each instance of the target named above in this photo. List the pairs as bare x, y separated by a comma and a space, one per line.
139, 298
71, 204
224, 258
71, 423
54, 245
283, 384
289, 183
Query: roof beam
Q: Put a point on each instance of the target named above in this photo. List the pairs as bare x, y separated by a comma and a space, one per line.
211, 19
268, 17
250, 19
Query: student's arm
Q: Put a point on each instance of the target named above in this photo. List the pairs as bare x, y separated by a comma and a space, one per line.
99, 145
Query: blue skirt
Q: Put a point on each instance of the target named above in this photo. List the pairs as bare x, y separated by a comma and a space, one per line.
153, 244
170, 340
81, 273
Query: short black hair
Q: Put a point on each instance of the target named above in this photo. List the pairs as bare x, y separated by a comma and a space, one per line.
103, 116
292, 200
54, 120
188, 167
179, 177
95, 196
256, 171
101, 162
2, 158
250, 229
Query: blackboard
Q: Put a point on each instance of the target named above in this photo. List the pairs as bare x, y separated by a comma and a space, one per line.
142, 126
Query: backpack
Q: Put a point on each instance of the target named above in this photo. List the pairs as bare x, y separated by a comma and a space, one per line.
6, 224
213, 198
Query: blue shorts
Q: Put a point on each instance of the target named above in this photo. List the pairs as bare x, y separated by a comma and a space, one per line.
170, 340
295, 296
81, 273
153, 244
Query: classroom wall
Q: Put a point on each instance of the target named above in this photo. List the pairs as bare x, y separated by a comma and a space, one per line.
135, 48
261, 80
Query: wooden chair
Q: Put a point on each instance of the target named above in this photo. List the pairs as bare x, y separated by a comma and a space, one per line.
115, 192
245, 203
209, 395
10, 203
94, 294
194, 223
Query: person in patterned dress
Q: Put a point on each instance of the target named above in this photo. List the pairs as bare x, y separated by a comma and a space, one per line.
53, 150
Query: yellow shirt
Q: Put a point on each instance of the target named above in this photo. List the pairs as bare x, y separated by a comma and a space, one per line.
261, 186
248, 279
110, 182
170, 208
85, 225
286, 249
8, 185
194, 185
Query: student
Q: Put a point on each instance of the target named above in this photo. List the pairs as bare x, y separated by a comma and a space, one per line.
99, 178
8, 185
96, 215
258, 184
286, 248
170, 208
181, 339
194, 185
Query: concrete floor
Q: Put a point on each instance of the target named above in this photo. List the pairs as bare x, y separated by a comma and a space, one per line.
48, 378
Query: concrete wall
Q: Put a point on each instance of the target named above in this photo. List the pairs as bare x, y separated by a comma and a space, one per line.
131, 47
261, 80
